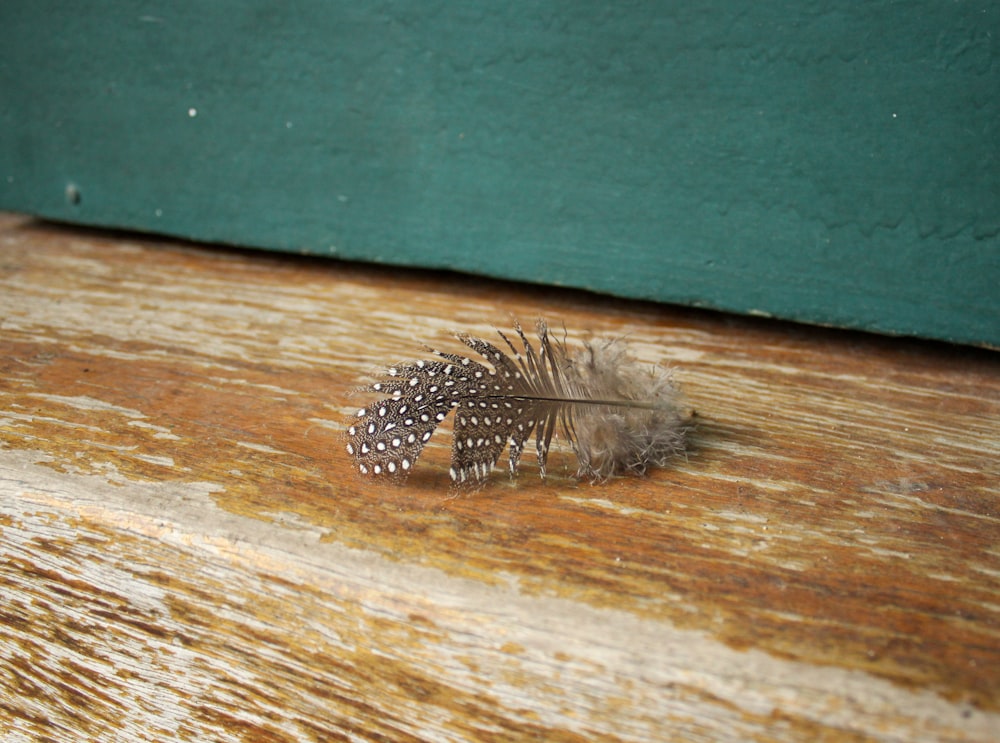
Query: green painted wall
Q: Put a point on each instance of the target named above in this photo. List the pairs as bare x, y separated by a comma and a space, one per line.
831, 162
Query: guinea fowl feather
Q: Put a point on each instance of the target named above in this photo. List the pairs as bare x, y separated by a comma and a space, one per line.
618, 416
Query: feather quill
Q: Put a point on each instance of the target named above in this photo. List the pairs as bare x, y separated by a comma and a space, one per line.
619, 417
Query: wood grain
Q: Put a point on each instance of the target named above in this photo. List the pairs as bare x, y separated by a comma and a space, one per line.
185, 553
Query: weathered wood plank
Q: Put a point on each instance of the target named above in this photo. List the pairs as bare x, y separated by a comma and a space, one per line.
186, 554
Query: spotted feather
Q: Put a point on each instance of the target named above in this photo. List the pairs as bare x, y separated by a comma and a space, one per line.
617, 415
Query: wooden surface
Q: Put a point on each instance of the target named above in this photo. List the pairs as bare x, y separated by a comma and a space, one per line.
186, 555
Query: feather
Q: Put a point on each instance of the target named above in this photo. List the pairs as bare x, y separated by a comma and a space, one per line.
617, 415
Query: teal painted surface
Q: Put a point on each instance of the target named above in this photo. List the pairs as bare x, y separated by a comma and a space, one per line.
834, 162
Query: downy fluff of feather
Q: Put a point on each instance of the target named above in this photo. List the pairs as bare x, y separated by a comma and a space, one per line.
619, 416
